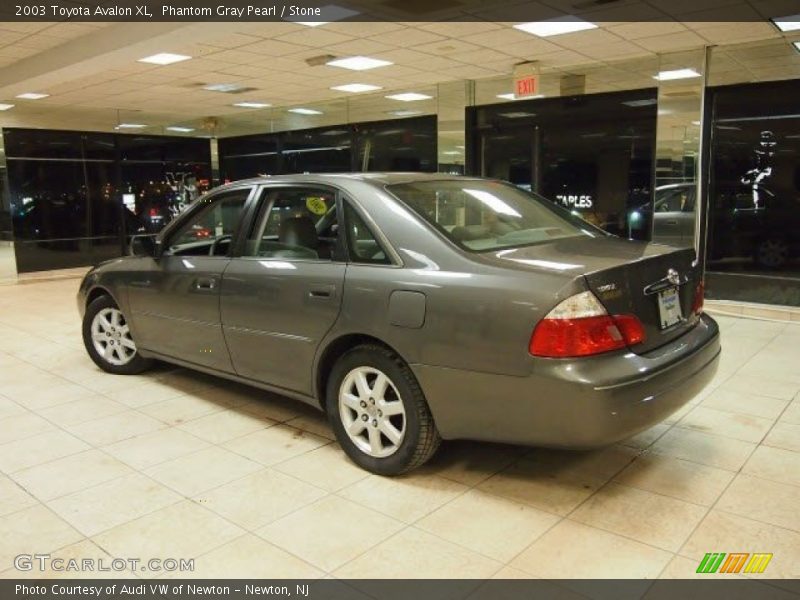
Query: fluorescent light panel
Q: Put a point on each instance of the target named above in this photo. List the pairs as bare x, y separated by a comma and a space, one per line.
404, 113
164, 58
409, 97
32, 96
517, 115
555, 26
643, 102
223, 87
179, 129
796, 46
356, 88
130, 126
6, 106
359, 63
676, 74
791, 23
305, 111
252, 104
514, 97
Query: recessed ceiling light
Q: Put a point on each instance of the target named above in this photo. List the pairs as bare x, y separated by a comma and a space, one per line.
409, 97
517, 115
252, 104
796, 46
180, 129
130, 126
305, 111
404, 113
643, 102
676, 74
32, 96
791, 23
555, 26
514, 97
164, 58
451, 152
226, 88
358, 63
356, 87
6, 106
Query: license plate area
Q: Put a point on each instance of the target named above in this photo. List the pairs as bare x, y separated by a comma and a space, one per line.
669, 307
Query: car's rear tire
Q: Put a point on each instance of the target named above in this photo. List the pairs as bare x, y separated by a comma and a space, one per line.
108, 340
378, 411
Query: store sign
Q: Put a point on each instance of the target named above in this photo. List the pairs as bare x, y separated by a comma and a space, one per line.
526, 80
575, 201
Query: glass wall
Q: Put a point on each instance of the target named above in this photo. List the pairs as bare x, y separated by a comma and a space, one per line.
8, 263
76, 198
754, 193
394, 145
592, 153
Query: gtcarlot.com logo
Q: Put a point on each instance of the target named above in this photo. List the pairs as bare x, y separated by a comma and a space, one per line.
734, 562
44, 562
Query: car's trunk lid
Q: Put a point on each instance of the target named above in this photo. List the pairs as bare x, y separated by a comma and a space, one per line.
646, 288
627, 277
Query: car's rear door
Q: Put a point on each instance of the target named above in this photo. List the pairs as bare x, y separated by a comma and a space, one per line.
174, 299
283, 293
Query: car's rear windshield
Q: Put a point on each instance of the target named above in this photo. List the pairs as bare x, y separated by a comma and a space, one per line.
487, 215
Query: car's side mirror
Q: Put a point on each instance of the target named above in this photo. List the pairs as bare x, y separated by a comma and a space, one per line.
144, 245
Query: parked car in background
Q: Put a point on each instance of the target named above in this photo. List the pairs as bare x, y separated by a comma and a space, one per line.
672, 215
413, 308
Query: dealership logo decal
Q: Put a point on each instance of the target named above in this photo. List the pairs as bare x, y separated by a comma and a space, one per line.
735, 562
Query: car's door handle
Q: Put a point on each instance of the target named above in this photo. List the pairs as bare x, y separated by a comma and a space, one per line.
322, 291
205, 283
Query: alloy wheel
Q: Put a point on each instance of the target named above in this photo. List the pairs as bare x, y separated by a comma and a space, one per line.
372, 412
111, 337
773, 253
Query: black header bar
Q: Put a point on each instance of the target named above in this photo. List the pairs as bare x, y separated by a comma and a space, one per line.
395, 10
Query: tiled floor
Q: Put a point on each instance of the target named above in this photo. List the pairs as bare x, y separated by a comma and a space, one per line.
174, 464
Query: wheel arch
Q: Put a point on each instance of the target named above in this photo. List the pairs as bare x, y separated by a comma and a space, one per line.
97, 291
333, 351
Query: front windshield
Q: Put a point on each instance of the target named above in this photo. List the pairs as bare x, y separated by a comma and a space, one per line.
488, 215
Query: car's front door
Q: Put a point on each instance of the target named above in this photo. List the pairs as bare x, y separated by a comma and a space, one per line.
283, 294
174, 299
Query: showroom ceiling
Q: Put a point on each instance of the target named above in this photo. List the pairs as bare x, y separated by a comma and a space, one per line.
94, 80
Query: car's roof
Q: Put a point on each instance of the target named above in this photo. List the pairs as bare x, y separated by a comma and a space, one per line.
379, 178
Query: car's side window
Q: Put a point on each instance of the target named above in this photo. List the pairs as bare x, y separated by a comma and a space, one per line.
363, 247
294, 223
210, 231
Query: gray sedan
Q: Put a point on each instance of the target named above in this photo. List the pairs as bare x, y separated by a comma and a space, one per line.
413, 308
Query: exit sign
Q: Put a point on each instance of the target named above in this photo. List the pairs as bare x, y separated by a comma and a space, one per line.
526, 79
526, 86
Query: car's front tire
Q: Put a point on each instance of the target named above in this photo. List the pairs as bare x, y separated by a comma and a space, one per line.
108, 340
378, 411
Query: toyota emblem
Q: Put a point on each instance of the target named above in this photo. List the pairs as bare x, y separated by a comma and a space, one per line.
673, 277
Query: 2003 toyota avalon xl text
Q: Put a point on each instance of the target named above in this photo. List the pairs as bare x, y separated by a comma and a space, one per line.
413, 308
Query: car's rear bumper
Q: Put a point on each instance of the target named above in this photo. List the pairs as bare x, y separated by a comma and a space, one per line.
573, 403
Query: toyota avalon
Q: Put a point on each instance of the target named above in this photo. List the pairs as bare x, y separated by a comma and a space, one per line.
413, 308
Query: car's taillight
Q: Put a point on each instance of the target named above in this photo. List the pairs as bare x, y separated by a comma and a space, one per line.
699, 296
580, 326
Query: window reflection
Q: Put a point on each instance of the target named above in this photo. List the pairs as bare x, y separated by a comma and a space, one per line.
76, 198
593, 154
754, 214
395, 145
